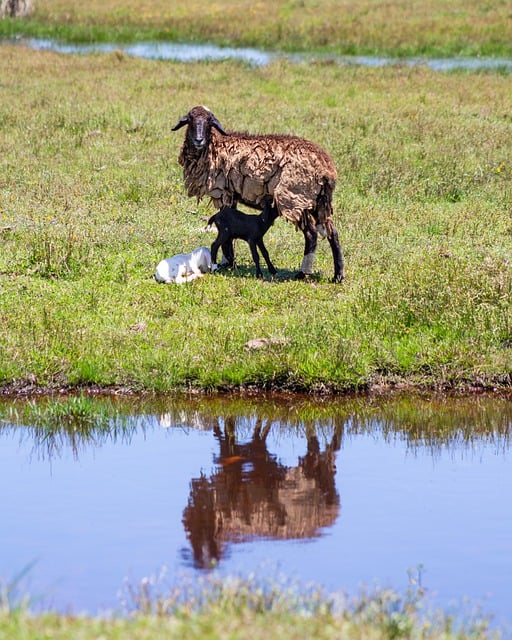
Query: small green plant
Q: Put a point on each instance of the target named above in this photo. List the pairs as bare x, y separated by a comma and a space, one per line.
12, 600
56, 255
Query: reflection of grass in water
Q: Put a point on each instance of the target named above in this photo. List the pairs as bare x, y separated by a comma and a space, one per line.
74, 412
73, 421
422, 420
433, 421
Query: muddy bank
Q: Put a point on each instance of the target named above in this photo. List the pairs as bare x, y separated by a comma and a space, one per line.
501, 387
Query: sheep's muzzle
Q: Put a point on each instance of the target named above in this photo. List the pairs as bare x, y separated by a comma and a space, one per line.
199, 143
198, 132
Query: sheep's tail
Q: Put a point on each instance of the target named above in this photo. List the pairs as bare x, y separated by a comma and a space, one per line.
324, 211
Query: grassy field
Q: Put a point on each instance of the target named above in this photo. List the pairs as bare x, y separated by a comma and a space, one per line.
91, 198
402, 27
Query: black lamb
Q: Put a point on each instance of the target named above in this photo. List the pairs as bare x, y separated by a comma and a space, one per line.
233, 224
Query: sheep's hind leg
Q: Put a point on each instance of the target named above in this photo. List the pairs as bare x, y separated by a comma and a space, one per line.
337, 255
311, 238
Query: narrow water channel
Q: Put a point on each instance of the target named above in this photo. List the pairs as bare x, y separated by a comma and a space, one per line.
96, 493
197, 52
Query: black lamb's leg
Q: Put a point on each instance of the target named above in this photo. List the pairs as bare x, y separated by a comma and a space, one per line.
256, 258
214, 249
229, 253
264, 253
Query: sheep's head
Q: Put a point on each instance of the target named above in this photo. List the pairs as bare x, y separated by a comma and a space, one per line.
200, 121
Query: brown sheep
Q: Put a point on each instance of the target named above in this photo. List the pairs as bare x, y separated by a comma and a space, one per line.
296, 175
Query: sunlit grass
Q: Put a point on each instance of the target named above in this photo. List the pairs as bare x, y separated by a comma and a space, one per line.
92, 198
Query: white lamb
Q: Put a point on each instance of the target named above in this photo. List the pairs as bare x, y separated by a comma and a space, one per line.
185, 267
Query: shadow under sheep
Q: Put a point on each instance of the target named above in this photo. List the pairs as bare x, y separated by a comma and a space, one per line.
282, 275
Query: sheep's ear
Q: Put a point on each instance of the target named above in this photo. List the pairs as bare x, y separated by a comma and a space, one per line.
181, 123
218, 126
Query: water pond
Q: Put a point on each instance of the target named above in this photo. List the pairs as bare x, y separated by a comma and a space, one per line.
97, 492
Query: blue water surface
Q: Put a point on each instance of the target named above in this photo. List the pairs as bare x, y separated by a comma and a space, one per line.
88, 518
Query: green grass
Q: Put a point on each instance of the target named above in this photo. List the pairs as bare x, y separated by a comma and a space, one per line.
235, 607
399, 28
91, 198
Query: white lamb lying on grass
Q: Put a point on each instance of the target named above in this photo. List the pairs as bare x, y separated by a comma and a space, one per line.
185, 267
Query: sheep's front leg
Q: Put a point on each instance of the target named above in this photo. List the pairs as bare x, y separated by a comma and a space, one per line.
311, 238
264, 253
228, 252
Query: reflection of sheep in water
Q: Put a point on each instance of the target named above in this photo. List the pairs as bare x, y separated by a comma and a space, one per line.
253, 494
296, 175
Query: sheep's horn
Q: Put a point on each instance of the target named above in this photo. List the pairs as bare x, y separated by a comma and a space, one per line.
218, 126
181, 123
